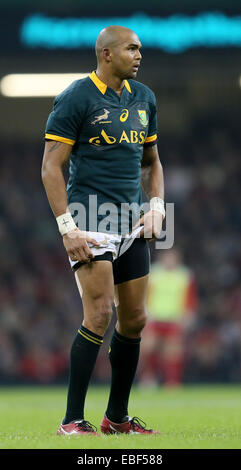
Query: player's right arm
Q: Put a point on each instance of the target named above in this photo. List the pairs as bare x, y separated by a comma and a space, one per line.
56, 154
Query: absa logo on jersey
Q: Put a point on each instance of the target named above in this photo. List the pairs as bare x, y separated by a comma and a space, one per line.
134, 137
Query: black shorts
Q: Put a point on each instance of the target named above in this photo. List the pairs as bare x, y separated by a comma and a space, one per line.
133, 263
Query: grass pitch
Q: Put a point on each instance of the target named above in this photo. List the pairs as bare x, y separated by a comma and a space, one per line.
197, 417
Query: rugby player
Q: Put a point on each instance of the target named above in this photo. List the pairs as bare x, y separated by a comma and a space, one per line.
105, 126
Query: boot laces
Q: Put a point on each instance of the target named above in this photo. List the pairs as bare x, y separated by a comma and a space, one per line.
86, 426
135, 424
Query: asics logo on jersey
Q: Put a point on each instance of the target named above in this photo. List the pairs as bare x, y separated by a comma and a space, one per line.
132, 137
101, 117
124, 115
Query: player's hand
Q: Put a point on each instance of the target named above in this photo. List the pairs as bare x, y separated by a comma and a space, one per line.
152, 225
76, 245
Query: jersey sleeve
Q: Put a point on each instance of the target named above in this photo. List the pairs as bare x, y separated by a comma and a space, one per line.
64, 121
151, 138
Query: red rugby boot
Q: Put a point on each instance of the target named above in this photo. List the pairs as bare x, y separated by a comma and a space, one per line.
77, 427
132, 426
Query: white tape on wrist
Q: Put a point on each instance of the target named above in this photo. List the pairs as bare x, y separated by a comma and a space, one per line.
65, 223
157, 204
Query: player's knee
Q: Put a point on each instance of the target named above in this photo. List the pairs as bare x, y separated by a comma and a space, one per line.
104, 304
141, 321
103, 309
135, 324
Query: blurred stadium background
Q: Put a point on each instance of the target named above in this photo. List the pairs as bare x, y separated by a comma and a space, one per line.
195, 72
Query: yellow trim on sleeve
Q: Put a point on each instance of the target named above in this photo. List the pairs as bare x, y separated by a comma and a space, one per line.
151, 138
60, 139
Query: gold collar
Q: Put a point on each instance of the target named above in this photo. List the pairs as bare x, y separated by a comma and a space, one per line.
102, 86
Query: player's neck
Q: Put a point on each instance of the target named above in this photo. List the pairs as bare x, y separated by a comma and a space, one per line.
110, 80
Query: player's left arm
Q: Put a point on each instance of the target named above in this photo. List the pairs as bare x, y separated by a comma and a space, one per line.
152, 172
153, 185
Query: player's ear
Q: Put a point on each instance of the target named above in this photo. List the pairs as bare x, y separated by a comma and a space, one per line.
106, 53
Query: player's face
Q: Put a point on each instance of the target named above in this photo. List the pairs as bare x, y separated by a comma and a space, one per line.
126, 56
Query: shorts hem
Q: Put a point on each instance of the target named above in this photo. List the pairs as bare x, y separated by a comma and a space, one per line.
107, 256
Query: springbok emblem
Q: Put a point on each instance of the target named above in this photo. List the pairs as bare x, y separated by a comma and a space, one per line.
103, 116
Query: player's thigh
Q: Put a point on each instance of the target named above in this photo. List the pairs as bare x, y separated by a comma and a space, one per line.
131, 310
96, 286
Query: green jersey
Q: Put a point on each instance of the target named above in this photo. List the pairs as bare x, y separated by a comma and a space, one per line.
107, 133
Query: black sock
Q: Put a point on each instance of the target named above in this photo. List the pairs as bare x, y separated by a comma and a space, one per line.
124, 356
83, 357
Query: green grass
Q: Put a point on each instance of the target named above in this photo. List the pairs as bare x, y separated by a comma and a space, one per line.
189, 418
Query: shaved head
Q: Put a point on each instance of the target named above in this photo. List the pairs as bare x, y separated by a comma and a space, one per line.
110, 37
118, 54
